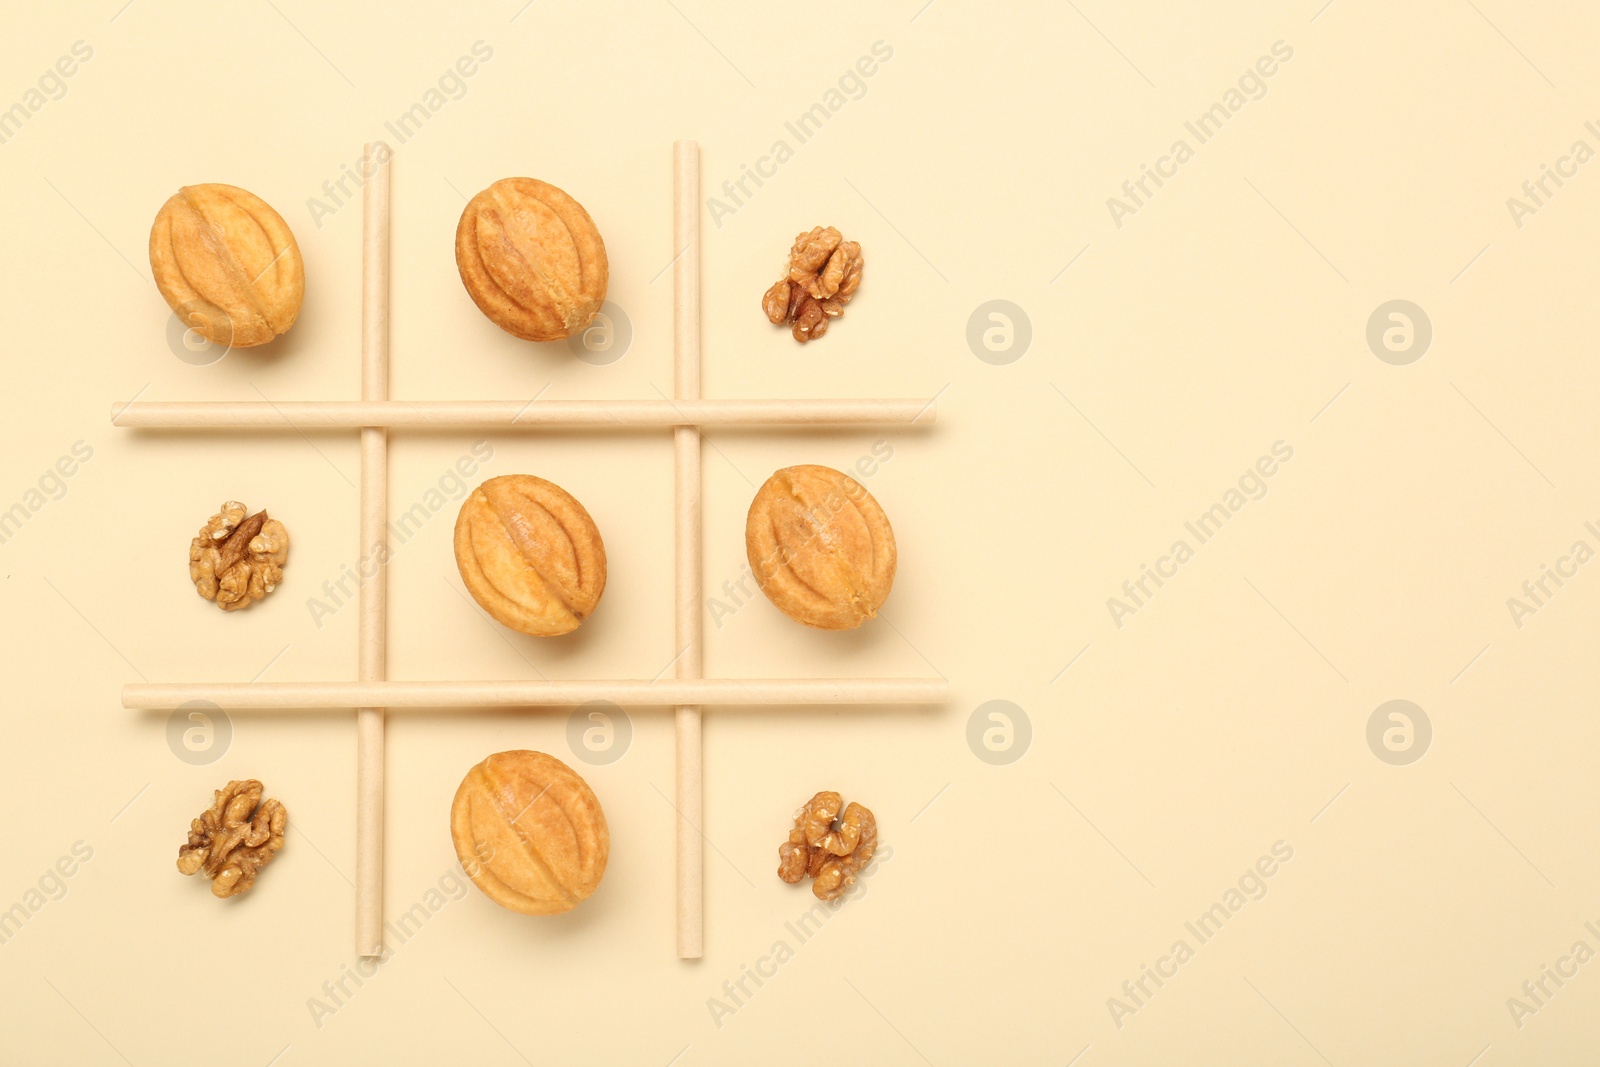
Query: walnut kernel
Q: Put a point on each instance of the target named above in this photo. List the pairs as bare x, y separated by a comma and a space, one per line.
824, 273
238, 558
829, 846
234, 838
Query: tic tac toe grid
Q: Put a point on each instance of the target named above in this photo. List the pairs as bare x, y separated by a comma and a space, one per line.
375, 414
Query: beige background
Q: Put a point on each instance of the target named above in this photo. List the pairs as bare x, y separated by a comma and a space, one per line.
1227, 715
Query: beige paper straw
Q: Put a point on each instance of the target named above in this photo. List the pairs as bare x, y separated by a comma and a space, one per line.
514, 414
464, 696
374, 602
686, 448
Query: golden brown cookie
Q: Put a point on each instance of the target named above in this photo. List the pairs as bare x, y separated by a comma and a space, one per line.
531, 259
530, 833
227, 265
530, 555
820, 547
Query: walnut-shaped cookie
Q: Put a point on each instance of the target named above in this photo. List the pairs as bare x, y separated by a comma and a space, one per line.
227, 264
530, 833
530, 555
820, 547
532, 259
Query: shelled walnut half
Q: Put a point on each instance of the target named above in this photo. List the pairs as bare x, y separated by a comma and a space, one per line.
829, 846
824, 273
234, 838
238, 558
